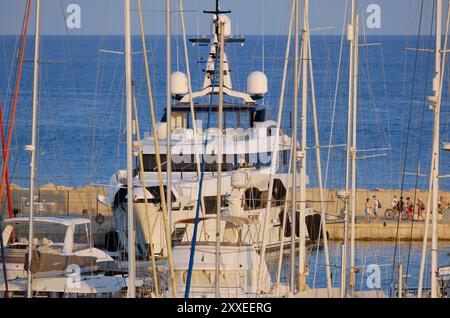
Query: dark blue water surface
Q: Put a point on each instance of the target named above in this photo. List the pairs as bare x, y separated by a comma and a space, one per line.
372, 258
82, 119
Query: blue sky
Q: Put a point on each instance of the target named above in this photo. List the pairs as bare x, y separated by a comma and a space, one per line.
249, 16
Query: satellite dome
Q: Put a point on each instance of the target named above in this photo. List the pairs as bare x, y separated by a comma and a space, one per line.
179, 84
257, 83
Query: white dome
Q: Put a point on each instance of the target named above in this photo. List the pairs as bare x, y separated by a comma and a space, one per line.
257, 83
179, 84
227, 27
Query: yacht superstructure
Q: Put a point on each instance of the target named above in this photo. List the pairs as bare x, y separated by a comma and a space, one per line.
248, 141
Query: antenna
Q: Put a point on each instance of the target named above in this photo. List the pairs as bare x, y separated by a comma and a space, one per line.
217, 11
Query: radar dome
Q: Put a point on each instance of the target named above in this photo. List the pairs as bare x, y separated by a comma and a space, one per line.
179, 83
227, 27
257, 83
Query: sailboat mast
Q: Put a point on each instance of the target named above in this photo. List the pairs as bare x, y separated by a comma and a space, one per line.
219, 154
319, 169
354, 145
129, 116
435, 172
302, 225
280, 113
350, 38
432, 195
169, 112
294, 149
32, 149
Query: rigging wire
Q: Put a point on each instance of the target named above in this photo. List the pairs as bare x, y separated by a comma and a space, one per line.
405, 156
16, 93
336, 94
13, 71
420, 143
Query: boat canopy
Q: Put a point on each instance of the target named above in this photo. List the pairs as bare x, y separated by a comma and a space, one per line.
66, 221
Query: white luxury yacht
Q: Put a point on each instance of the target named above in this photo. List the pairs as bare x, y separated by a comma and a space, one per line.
249, 137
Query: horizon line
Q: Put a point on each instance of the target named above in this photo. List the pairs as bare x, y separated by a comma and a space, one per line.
191, 35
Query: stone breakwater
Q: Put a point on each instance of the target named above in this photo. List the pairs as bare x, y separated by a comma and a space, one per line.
82, 201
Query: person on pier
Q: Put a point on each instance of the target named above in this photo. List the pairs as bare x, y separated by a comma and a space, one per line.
420, 209
367, 211
376, 207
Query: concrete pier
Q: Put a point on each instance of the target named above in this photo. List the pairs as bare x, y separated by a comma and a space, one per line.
334, 206
63, 201
82, 201
387, 231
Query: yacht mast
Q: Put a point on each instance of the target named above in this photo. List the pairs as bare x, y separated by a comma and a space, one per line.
294, 150
425, 234
437, 84
274, 156
434, 175
169, 112
319, 170
302, 225
129, 115
219, 153
350, 38
32, 148
354, 145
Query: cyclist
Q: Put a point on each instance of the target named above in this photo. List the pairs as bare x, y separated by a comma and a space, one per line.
394, 202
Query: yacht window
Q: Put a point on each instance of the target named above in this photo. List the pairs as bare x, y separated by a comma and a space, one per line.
187, 163
177, 234
53, 232
81, 235
150, 162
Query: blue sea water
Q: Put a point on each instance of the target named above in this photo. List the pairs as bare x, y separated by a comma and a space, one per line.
377, 262
82, 99
81, 128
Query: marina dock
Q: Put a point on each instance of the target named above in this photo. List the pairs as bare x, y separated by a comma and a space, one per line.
387, 231
82, 201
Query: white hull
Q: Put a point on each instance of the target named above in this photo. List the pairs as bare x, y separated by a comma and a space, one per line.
149, 219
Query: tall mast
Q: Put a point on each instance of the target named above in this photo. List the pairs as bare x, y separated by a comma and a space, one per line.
425, 233
302, 229
169, 112
129, 115
219, 156
294, 149
274, 155
32, 148
435, 100
354, 145
350, 38
319, 170
435, 167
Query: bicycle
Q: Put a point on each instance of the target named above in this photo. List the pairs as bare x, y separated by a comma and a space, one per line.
391, 213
